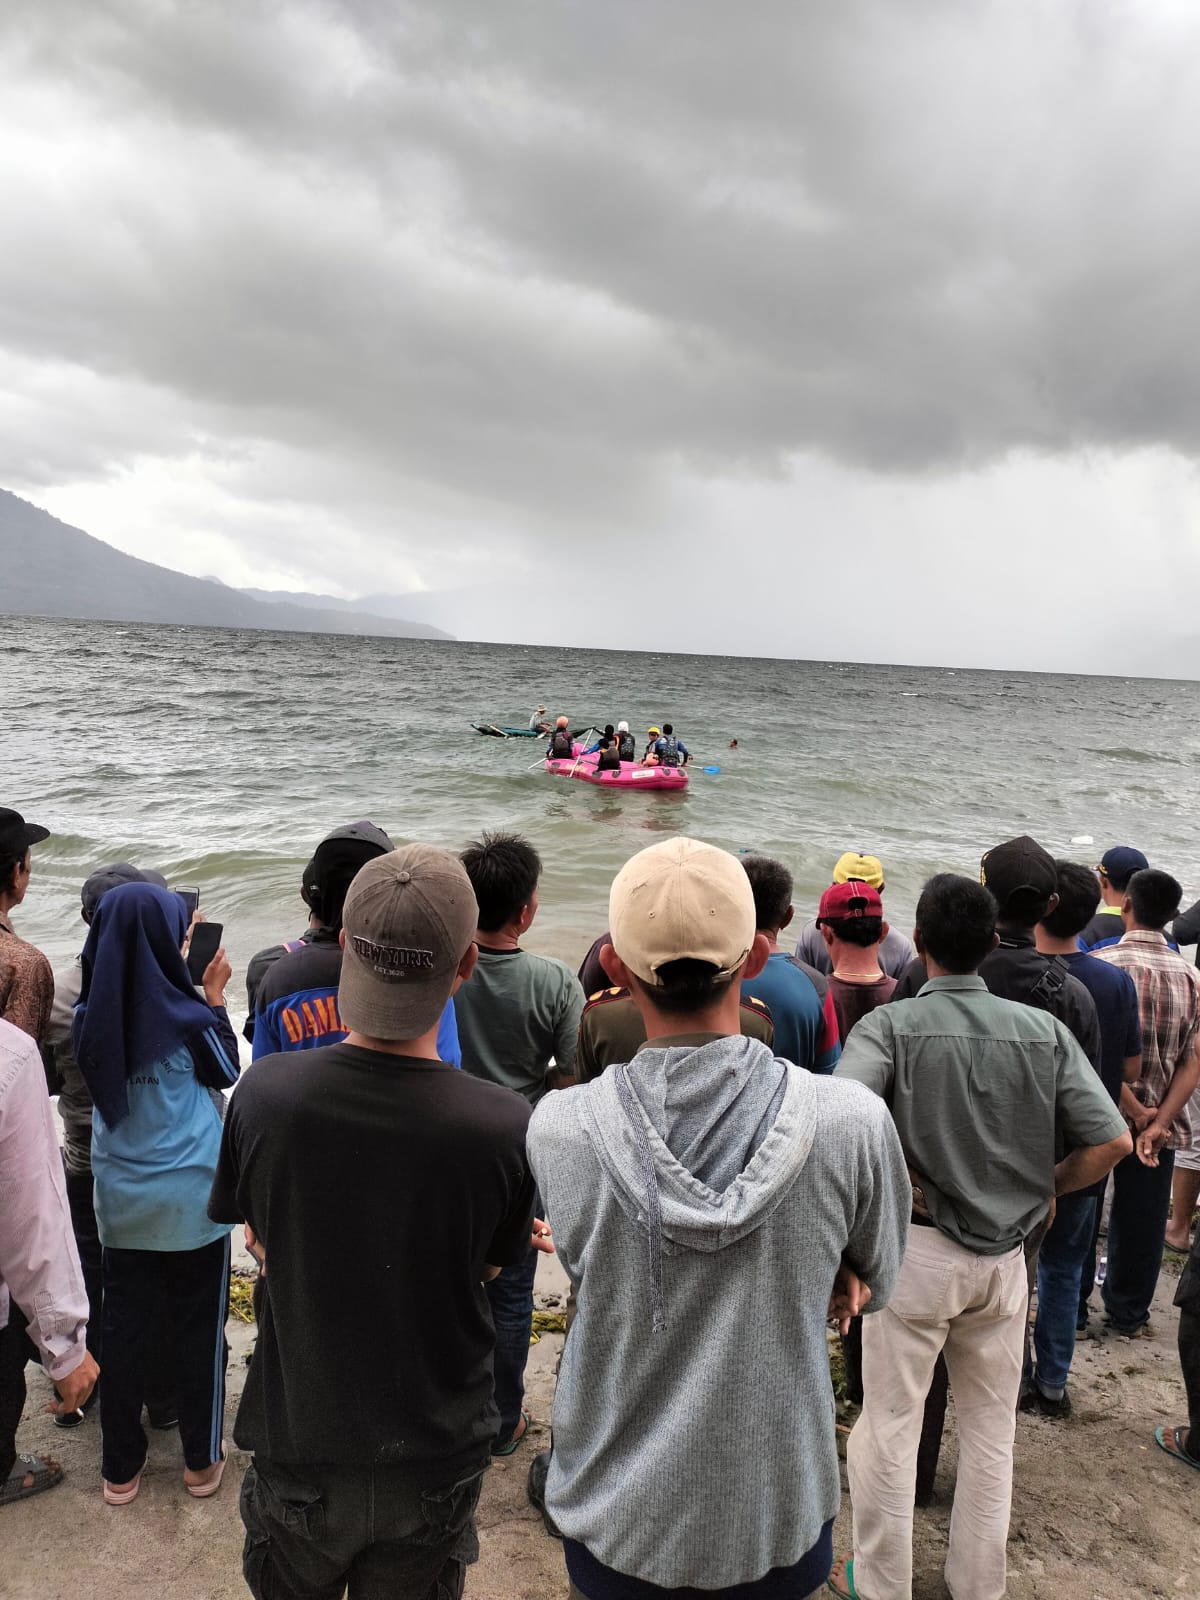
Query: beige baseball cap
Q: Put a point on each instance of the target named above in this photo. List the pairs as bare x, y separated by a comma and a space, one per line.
409, 917
681, 900
864, 869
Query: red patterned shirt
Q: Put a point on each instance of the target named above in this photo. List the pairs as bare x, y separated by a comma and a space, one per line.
1168, 989
26, 984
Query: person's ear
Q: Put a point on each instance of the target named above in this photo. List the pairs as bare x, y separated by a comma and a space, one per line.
757, 959
465, 968
995, 941
341, 938
1127, 906
918, 940
615, 970
884, 930
826, 933
791, 912
1050, 905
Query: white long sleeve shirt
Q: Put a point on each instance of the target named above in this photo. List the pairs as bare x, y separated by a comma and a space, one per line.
39, 1264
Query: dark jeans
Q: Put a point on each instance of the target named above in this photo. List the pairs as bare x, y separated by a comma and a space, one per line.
1059, 1271
313, 1530
15, 1351
1137, 1225
1187, 1298
1088, 1281
80, 1187
511, 1299
194, 1285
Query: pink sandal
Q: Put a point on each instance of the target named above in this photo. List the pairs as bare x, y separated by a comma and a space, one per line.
120, 1494
210, 1485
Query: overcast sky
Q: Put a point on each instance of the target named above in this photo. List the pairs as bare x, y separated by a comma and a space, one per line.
863, 330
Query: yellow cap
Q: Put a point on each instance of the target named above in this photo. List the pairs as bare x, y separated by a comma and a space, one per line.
866, 869
653, 730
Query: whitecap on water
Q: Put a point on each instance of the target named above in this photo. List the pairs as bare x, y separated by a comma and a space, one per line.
1082, 838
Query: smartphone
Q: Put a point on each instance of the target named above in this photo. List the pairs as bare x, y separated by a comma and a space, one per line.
190, 897
206, 941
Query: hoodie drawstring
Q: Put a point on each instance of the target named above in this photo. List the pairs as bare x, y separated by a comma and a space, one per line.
658, 1317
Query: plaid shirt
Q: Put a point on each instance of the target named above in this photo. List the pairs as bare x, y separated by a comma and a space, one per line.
1168, 989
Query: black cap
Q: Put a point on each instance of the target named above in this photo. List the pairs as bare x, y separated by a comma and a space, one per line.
16, 835
335, 863
111, 877
1020, 874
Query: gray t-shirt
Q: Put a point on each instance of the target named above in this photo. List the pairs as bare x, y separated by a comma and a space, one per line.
895, 951
978, 1087
516, 1012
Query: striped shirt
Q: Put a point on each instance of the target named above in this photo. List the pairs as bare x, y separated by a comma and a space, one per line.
1168, 989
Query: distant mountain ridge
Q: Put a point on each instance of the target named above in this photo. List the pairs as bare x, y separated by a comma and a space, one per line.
54, 570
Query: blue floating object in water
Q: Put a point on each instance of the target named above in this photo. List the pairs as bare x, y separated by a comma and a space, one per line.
712, 769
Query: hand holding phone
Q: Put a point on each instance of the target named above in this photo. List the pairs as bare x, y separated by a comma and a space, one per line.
203, 945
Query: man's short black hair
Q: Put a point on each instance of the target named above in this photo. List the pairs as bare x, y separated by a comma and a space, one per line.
862, 931
609, 730
687, 987
956, 918
1078, 897
771, 886
8, 870
1155, 896
667, 728
504, 870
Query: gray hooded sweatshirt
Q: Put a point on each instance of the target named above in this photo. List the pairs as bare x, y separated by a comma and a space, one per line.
702, 1198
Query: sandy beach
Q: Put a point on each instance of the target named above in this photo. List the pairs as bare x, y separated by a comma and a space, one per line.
1098, 1512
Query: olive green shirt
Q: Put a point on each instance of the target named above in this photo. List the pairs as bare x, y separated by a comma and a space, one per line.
978, 1088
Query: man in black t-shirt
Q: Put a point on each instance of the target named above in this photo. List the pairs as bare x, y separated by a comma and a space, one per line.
384, 1188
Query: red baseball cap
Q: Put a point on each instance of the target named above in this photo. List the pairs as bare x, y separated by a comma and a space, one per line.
851, 899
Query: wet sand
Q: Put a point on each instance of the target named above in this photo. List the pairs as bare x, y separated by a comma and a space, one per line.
1098, 1512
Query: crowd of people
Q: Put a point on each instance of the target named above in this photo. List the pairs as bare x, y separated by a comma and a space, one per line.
664, 748
729, 1143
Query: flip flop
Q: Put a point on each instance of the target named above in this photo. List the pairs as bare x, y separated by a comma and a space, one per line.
44, 1471
843, 1570
1170, 1440
202, 1491
120, 1494
507, 1449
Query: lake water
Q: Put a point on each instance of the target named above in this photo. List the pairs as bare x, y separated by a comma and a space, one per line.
221, 758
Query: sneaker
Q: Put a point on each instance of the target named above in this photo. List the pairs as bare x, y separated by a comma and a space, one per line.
539, 1467
69, 1419
1058, 1410
1115, 1330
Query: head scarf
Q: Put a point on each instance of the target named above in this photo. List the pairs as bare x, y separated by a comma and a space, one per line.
138, 1003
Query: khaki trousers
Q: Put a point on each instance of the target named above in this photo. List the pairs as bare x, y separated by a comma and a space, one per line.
974, 1308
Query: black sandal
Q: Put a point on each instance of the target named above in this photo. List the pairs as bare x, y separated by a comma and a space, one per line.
43, 1472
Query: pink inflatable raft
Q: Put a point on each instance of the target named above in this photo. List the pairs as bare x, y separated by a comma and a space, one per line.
630, 774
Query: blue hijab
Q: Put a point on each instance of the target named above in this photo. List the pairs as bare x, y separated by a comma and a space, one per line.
138, 1003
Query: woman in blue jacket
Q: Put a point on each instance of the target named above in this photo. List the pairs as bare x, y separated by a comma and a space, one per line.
152, 1051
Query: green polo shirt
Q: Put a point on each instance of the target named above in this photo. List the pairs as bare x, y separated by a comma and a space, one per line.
978, 1087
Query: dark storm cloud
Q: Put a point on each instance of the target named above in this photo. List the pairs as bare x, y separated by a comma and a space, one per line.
547, 256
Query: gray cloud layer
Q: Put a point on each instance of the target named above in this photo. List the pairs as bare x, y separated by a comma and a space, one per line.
515, 270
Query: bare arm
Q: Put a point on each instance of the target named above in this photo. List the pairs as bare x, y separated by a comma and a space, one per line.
1090, 1163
